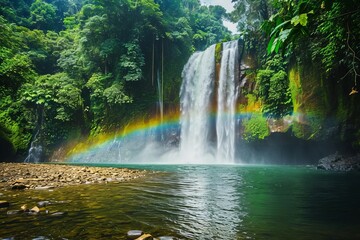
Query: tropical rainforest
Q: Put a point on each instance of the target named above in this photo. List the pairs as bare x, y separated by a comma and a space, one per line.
72, 69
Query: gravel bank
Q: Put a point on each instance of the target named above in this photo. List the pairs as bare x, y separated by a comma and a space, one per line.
19, 176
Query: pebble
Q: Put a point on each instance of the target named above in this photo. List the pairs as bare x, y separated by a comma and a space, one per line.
44, 187
58, 214
43, 204
167, 238
133, 234
14, 212
35, 209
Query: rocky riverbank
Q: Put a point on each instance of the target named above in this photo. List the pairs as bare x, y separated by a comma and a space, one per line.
18, 176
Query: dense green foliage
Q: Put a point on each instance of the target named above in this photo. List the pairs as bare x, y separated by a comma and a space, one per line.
273, 88
319, 40
255, 128
71, 68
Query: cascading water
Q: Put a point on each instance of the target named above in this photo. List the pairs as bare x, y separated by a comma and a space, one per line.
196, 100
35, 151
161, 100
195, 95
226, 103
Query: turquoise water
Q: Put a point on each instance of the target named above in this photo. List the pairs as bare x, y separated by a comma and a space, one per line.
199, 202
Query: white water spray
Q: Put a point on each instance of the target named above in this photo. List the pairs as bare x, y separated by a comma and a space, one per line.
195, 95
226, 103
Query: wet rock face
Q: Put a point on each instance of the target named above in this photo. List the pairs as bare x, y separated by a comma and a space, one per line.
337, 162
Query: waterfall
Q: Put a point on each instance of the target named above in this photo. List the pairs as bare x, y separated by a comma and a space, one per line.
160, 99
226, 103
35, 151
196, 100
195, 95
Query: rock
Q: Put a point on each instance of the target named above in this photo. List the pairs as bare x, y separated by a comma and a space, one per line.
134, 234
35, 210
18, 187
24, 207
58, 214
167, 238
145, 236
4, 204
41, 238
44, 187
43, 204
14, 212
337, 162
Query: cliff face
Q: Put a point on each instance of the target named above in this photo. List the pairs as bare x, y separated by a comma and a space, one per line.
323, 118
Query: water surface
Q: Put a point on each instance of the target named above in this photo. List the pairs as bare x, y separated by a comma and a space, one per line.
199, 202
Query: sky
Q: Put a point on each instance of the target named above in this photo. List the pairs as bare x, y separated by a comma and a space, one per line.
228, 6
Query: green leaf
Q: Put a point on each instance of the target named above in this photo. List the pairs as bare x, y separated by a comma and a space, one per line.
278, 27
270, 44
302, 19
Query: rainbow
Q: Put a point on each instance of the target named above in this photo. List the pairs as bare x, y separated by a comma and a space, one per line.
78, 148
136, 127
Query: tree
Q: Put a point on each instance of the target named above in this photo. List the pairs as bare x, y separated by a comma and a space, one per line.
42, 15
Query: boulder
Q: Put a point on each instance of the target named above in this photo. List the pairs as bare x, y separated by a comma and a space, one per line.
337, 162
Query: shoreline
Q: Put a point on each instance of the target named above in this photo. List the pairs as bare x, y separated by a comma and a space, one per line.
40, 176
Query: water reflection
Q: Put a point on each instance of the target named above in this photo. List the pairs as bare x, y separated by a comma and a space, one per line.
210, 202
